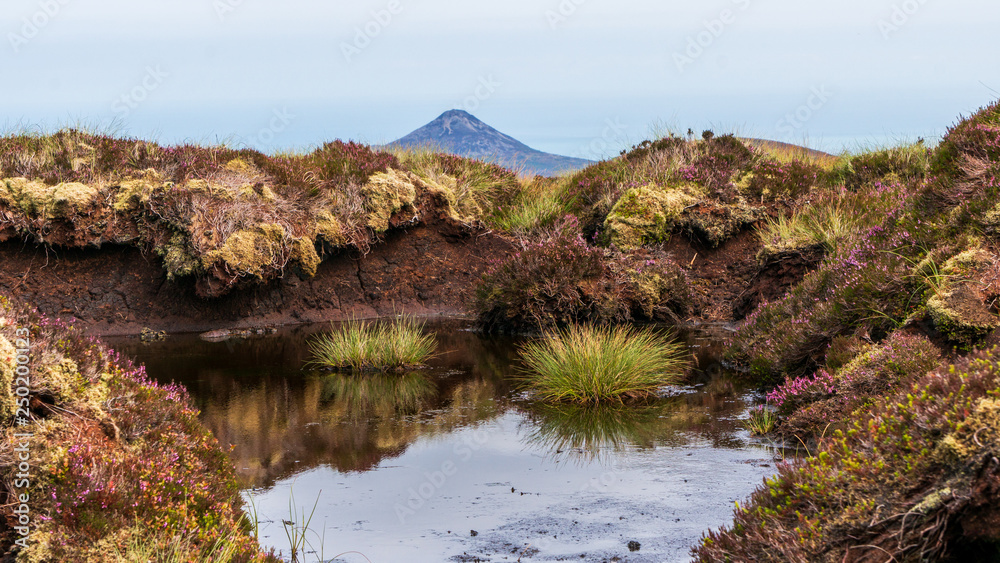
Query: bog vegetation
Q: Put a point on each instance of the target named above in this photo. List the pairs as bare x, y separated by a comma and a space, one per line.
876, 355
590, 365
374, 346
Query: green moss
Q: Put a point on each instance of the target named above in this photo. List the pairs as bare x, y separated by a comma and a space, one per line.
209, 188
251, 252
64, 380
386, 194
961, 316
241, 166
958, 308
715, 225
329, 229
991, 222
61, 201
304, 253
8, 362
460, 205
646, 215
648, 288
135, 192
177, 259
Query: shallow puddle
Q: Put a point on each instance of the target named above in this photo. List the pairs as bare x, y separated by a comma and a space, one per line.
452, 463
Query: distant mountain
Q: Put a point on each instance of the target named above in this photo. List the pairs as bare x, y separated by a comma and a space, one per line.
459, 132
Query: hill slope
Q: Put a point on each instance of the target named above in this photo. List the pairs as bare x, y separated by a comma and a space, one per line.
461, 133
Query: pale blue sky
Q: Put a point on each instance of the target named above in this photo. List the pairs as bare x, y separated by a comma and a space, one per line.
577, 77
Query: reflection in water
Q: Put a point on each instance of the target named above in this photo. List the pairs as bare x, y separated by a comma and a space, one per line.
707, 411
589, 431
360, 396
283, 418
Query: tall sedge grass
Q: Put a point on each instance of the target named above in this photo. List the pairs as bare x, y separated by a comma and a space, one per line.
832, 219
589, 365
381, 346
825, 225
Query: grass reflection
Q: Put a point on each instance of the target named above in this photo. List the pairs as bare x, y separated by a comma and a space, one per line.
377, 395
589, 431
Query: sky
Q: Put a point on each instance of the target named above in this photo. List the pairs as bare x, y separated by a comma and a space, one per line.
583, 78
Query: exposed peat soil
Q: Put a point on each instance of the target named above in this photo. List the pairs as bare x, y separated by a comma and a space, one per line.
425, 270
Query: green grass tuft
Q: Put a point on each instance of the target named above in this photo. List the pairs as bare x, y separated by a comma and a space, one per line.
761, 420
589, 365
362, 346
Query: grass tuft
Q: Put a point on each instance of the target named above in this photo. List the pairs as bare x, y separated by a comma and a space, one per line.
363, 346
761, 420
589, 365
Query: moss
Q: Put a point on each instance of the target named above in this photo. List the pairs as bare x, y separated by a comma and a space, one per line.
241, 166
251, 252
177, 259
646, 215
961, 317
8, 362
655, 291
64, 380
958, 308
385, 195
966, 443
329, 230
209, 188
135, 192
304, 253
648, 288
61, 201
446, 189
715, 225
991, 222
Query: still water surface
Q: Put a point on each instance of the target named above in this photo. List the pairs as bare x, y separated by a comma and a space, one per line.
454, 463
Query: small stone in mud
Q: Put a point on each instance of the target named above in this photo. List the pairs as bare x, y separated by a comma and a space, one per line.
473, 533
634, 545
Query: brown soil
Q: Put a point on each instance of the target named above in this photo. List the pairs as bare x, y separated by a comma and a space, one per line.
428, 269
425, 270
718, 276
775, 277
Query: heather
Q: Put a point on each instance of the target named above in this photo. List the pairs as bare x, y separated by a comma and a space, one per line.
877, 364
225, 219
863, 285
562, 280
827, 400
914, 480
121, 465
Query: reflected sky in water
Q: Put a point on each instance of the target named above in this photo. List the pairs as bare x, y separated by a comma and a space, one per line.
405, 466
